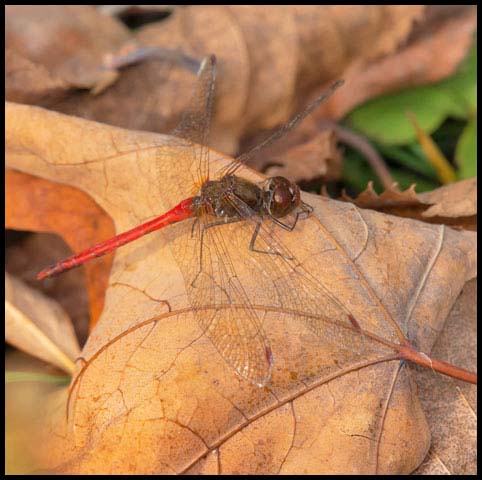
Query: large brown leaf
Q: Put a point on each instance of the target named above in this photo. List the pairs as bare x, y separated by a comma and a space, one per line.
152, 394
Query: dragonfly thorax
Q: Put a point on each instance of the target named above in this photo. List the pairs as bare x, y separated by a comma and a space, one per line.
229, 196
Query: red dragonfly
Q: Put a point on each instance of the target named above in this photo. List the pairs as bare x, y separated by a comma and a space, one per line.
257, 213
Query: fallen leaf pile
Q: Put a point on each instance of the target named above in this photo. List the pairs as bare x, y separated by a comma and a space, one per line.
151, 394
377, 49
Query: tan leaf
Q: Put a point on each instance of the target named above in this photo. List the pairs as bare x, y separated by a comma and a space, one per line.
271, 57
456, 200
451, 406
432, 51
66, 42
39, 326
318, 156
454, 204
29, 82
153, 395
27, 253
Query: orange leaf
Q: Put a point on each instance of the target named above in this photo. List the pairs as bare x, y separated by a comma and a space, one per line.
66, 211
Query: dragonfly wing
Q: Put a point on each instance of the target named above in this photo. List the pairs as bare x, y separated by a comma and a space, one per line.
286, 283
238, 337
281, 131
231, 323
188, 142
196, 120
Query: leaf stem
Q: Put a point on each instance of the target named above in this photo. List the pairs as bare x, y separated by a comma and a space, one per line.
439, 366
407, 352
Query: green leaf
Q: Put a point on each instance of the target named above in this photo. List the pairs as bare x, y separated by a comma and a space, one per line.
357, 173
463, 85
410, 157
405, 179
384, 119
466, 151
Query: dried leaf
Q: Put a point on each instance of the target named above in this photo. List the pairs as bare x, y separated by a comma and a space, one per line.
29, 82
437, 46
39, 326
269, 56
268, 59
66, 211
457, 200
454, 204
154, 386
68, 41
318, 156
28, 253
451, 405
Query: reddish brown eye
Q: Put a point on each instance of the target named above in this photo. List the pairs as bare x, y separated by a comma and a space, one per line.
281, 196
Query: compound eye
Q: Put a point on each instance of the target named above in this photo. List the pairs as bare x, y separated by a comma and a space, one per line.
284, 196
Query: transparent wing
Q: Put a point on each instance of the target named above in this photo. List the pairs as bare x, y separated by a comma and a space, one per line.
189, 139
196, 120
222, 272
232, 324
287, 284
287, 127
211, 279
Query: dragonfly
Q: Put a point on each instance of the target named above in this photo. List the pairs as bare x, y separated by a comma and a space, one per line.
257, 214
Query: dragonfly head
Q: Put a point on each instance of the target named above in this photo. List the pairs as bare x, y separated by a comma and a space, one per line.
280, 196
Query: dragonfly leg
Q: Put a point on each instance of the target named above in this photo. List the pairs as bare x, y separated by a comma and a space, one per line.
203, 229
222, 222
308, 209
253, 249
305, 213
193, 225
